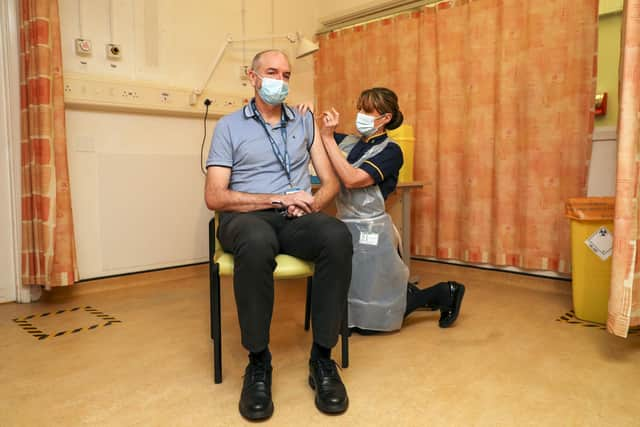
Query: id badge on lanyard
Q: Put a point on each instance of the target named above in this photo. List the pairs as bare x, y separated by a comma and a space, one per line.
284, 160
370, 239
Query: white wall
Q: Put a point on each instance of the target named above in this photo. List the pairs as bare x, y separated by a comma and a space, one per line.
9, 156
602, 168
174, 42
137, 189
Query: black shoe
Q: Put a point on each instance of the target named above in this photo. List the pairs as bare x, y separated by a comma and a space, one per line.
331, 395
450, 314
255, 400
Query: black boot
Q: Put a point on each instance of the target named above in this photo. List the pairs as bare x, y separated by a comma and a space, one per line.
424, 299
255, 400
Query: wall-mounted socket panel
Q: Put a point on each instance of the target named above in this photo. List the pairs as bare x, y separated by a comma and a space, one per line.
244, 72
83, 47
95, 93
114, 51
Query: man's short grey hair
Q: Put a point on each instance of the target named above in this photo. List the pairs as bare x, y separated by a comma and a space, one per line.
256, 59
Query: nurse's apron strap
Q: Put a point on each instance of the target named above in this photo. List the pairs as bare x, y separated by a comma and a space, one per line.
348, 142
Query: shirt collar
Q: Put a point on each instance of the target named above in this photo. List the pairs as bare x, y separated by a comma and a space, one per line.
375, 139
289, 113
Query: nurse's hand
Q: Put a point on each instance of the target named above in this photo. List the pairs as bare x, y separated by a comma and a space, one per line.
328, 122
295, 212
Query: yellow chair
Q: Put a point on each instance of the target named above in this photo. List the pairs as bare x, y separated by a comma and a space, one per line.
288, 267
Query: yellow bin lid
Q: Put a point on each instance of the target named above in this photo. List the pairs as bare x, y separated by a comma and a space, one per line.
402, 132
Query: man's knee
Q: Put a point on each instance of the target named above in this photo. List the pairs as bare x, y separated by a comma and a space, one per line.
256, 244
337, 238
245, 235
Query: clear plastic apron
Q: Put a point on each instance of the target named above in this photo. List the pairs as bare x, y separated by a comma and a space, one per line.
378, 291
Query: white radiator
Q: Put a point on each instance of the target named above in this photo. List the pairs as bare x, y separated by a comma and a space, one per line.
137, 191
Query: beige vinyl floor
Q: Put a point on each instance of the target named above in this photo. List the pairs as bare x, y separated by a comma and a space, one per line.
507, 361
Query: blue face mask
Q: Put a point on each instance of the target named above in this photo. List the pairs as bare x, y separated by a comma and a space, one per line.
273, 91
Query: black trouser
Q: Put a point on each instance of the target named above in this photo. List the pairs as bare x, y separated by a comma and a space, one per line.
255, 238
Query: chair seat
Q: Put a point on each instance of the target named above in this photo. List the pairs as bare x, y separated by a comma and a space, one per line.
288, 267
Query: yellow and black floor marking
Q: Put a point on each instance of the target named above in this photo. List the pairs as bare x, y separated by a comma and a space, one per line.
25, 322
570, 317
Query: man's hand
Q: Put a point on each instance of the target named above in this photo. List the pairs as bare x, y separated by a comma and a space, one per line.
296, 204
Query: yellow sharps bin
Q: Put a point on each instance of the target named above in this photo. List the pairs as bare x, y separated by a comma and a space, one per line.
406, 140
591, 250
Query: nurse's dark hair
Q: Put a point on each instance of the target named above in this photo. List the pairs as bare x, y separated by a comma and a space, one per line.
384, 101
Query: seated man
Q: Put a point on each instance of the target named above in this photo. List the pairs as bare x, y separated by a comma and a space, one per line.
258, 179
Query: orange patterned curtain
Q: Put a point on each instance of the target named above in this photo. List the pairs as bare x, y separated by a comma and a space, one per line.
500, 93
624, 298
48, 248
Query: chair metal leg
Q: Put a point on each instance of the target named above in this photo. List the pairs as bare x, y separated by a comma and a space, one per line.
216, 330
307, 307
345, 337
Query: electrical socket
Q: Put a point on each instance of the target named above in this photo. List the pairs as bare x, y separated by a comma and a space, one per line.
129, 94
83, 47
114, 51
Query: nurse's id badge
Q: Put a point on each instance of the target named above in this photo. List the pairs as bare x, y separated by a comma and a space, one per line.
370, 239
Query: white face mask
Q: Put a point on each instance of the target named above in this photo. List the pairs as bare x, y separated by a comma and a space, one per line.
366, 124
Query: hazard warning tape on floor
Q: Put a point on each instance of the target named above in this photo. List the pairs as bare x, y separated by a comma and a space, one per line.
570, 318
27, 326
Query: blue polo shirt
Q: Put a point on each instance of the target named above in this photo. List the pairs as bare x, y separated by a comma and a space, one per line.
384, 167
241, 142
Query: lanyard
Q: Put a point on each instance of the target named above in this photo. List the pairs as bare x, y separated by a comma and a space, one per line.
284, 160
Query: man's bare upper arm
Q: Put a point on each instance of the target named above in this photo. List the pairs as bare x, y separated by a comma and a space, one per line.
217, 183
321, 162
329, 181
